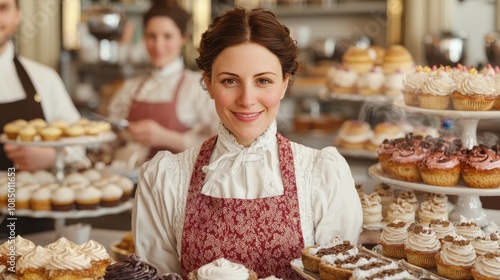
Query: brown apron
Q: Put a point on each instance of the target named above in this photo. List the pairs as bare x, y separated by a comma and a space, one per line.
165, 113
263, 234
26, 109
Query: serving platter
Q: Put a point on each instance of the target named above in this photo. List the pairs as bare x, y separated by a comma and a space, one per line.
85, 140
448, 113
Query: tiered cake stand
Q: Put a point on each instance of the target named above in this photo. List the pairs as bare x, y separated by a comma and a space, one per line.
60, 216
469, 203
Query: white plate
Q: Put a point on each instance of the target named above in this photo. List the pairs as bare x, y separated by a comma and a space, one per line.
299, 267
74, 214
63, 142
376, 172
449, 113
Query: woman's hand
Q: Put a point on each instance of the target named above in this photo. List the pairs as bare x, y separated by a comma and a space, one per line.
148, 132
31, 158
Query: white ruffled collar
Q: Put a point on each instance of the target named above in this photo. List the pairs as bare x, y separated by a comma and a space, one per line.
229, 157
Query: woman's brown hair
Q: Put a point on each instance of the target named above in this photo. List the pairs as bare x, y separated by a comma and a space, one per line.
240, 25
170, 9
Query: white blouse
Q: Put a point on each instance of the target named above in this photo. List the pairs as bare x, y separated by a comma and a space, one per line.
328, 201
194, 107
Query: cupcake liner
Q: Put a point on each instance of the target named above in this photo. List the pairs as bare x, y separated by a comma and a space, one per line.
406, 171
441, 177
436, 102
454, 272
394, 251
422, 259
481, 179
471, 103
410, 98
479, 276
496, 105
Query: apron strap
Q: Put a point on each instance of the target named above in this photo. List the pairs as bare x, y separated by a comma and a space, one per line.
26, 82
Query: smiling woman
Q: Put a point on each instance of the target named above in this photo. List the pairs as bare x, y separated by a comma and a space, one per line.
248, 194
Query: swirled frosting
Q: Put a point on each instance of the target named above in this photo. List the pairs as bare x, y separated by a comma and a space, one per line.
37, 258
373, 79
459, 252
477, 84
68, 259
345, 77
94, 250
408, 153
410, 197
422, 239
483, 158
389, 146
442, 228
487, 244
22, 246
468, 229
131, 268
441, 161
395, 233
488, 265
414, 80
436, 197
61, 244
440, 84
222, 269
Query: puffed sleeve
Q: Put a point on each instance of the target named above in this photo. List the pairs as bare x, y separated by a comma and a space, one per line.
154, 239
336, 205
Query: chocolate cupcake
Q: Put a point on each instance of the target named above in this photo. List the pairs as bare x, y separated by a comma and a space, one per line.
131, 268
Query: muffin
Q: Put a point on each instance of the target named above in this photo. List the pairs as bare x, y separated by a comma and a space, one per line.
481, 169
88, 198
38, 124
354, 134
487, 267
51, 133
61, 124
99, 258
69, 263
397, 58
12, 130
63, 199
222, 268
430, 210
372, 211
392, 239
456, 260
475, 93
31, 266
440, 169
41, 199
74, 131
358, 59
487, 244
401, 210
436, 91
412, 83
27, 133
383, 131
421, 246
111, 195
372, 82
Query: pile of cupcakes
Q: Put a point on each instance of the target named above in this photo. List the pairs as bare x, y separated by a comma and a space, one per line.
87, 190
41, 130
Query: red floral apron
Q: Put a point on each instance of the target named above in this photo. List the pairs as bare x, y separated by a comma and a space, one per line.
165, 113
263, 234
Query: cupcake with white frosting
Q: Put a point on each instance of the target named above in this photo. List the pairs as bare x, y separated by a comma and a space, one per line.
69, 263
60, 244
32, 264
111, 195
410, 197
487, 244
88, 198
100, 259
127, 187
63, 199
487, 267
41, 199
456, 260
22, 246
430, 210
412, 84
476, 92
43, 177
468, 229
23, 196
92, 175
401, 210
222, 269
436, 91
442, 228
392, 239
372, 211
421, 246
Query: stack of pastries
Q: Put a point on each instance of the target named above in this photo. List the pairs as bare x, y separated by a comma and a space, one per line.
41, 130
455, 88
440, 162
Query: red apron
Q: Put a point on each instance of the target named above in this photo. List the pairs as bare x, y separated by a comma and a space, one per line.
263, 234
164, 113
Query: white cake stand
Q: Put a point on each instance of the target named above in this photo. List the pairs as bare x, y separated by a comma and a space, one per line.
469, 204
87, 141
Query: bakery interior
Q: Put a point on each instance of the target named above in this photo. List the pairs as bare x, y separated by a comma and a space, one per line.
94, 56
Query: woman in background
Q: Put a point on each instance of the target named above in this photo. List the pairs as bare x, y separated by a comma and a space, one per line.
167, 109
248, 195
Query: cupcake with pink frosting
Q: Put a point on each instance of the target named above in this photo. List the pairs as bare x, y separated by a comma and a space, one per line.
404, 163
440, 169
482, 168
